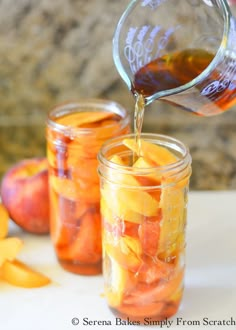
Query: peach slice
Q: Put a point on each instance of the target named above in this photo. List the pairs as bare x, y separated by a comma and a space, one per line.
81, 249
151, 273
157, 154
163, 291
84, 118
74, 190
126, 253
174, 217
117, 160
4, 219
112, 205
108, 129
86, 172
17, 273
130, 204
119, 280
59, 232
143, 163
149, 232
9, 248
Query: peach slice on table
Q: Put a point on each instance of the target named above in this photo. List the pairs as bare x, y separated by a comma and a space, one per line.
4, 220
17, 273
155, 153
84, 118
9, 248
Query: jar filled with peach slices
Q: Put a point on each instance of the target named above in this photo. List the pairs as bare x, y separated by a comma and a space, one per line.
75, 133
144, 192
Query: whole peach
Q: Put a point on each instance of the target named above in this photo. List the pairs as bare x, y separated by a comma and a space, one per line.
24, 192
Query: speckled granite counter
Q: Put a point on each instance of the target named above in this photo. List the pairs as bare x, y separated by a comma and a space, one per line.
54, 51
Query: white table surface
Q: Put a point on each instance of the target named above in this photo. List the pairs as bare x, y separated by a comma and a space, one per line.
210, 285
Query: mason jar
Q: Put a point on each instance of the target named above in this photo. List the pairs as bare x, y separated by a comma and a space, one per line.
144, 193
75, 133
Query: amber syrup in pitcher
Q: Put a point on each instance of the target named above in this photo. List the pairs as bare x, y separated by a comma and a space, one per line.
179, 68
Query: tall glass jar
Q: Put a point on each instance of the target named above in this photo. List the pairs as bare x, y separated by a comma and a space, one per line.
75, 133
143, 207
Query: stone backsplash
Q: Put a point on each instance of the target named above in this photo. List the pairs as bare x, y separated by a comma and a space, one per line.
52, 51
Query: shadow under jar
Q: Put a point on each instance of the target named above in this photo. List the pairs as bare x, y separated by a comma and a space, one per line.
143, 207
75, 133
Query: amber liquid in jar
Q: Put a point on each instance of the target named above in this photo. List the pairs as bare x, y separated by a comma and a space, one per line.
74, 139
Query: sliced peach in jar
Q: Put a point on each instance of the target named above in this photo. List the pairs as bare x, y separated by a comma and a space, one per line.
130, 229
74, 190
86, 170
150, 151
117, 160
19, 274
81, 150
142, 163
125, 200
138, 201
149, 232
116, 208
154, 270
9, 248
86, 247
107, 213
174, 252
176, 179
116, 226
156, 292
108, 129
111, 223
60, 233
78, 119
4, 220
117, 281
173, 206
64, 187
126, 252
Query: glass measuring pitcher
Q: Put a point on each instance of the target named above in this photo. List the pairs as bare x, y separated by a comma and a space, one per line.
179, 51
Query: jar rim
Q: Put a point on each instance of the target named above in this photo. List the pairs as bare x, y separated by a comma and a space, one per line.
83, 105
175, 168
